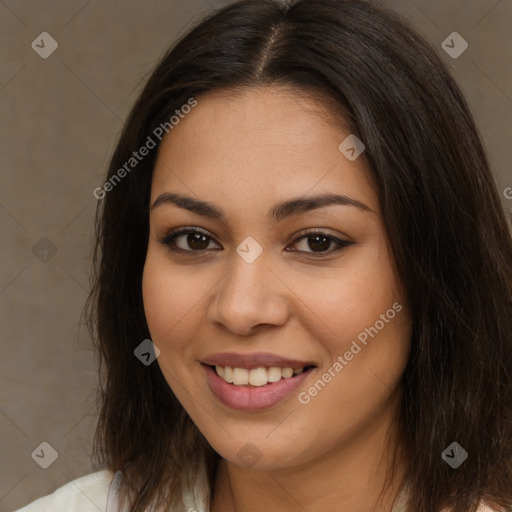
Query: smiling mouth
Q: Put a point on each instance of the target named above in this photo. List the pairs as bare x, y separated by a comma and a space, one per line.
257, 377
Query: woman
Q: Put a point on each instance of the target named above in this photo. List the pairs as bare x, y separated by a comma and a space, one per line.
304, 278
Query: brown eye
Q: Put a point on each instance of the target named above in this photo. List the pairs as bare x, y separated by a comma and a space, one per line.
319, 243
195, 241
190, 240
187, 240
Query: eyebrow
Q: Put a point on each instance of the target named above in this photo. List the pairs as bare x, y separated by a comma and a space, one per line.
277, 213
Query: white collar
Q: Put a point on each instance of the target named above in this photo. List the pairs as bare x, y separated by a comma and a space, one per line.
196, 493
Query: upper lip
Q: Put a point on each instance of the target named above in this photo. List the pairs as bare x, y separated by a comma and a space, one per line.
254, 360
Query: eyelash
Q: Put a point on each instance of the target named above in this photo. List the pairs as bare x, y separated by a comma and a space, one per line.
169, 239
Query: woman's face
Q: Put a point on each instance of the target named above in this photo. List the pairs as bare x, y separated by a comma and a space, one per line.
276, 278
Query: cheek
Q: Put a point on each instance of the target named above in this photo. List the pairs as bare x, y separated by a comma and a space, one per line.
158, 297
169, 300
352, 299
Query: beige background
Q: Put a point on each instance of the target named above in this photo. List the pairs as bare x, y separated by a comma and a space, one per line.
59, 119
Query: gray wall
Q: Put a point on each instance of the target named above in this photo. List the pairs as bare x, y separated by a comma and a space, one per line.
59, 119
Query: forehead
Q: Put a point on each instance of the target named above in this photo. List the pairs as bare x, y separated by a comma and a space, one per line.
264, 142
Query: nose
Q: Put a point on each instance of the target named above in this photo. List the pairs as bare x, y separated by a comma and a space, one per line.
249, 295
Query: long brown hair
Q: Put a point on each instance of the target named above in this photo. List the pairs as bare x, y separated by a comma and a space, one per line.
445, 222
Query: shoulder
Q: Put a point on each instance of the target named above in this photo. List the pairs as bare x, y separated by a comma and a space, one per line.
88, 493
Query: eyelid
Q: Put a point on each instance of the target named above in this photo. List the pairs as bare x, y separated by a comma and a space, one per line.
317, 231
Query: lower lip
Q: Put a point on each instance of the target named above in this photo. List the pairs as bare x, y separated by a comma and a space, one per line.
253, 398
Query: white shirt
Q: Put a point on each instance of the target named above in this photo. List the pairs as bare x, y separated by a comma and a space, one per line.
86, 494
98, 492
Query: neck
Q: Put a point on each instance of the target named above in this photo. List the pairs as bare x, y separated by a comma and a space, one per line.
355, 475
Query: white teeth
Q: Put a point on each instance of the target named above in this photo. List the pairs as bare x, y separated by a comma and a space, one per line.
287, 373
256, 376
274, 374
228, 374
240, 376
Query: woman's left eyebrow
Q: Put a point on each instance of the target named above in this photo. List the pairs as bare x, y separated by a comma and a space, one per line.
277, 213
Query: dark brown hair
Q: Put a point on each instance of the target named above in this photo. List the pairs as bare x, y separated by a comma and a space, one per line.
446, 226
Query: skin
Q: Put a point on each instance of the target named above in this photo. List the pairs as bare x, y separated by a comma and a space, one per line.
245, 152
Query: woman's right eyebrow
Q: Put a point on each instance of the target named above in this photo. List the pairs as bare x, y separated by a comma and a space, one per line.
277, 213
